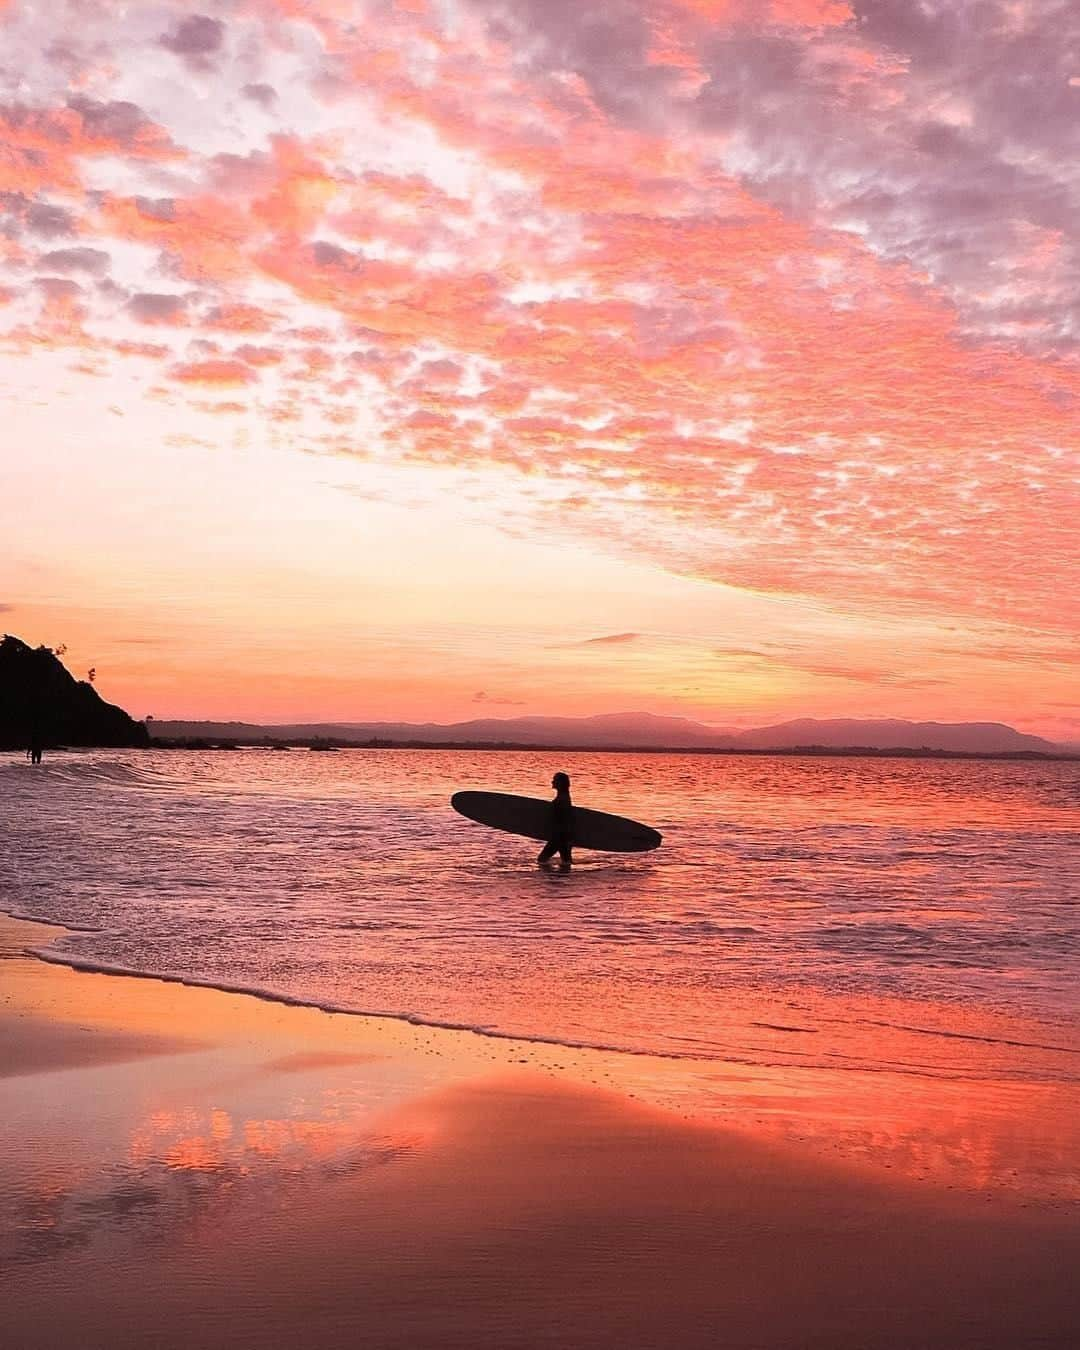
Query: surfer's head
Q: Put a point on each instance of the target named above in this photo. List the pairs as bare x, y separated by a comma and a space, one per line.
561, 782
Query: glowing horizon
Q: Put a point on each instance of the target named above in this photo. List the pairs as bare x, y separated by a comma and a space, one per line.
369, 360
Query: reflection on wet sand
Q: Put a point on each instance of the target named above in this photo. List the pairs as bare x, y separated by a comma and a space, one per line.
514, 1211
297, 1178
166, 1193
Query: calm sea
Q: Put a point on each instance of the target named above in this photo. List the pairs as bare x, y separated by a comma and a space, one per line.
864, 914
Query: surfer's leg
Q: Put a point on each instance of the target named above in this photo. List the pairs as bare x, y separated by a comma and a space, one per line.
564, 852
548, 852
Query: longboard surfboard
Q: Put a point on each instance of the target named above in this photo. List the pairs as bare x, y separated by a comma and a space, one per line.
531, 817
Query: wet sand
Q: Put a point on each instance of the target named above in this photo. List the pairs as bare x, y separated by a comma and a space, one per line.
189, 1168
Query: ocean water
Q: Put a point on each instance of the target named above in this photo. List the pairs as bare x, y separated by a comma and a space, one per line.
918, 916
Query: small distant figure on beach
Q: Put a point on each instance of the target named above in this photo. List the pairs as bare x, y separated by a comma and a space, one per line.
562, 822
34, 750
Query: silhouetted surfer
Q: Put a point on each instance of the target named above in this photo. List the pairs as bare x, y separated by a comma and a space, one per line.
562, 823
33, 754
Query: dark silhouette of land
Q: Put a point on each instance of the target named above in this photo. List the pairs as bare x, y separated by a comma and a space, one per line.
632, 731
42, 705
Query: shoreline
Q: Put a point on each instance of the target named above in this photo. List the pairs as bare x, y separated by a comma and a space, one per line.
199, 745
98, 966
88, 966
988, 1129
189, 1166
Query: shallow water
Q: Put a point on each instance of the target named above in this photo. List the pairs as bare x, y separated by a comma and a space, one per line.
854, 914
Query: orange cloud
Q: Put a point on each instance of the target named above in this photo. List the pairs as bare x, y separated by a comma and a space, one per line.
810, 13
214, 372
237, 317
42, 146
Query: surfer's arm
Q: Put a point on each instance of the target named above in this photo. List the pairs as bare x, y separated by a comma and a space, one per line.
562, 817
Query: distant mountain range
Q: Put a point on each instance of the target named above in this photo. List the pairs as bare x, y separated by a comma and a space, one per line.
978, 738
639, 731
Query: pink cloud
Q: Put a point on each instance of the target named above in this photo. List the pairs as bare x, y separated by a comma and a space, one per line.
195, 38
154, 308
92, 260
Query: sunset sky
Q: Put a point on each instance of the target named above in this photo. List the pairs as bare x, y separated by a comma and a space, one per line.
447, 358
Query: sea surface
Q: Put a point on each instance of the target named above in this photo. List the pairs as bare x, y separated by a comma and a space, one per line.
874, 962
798, 908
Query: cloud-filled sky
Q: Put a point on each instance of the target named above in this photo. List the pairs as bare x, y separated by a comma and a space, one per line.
396, 357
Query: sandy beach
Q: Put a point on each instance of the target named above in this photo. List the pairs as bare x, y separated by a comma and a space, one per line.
185, 1167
